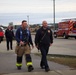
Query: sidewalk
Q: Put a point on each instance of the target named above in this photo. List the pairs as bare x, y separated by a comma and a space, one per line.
58, 72
11, 68
56, 69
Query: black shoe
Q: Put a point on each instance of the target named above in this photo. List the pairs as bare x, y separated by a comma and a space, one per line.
30, 68
19, 67
47, 69
42, 67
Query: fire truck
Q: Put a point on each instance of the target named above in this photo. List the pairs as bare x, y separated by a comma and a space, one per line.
66, 29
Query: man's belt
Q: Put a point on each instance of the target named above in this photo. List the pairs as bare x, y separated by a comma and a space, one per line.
22, 45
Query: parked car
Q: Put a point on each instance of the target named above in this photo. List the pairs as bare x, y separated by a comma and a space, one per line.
1, 34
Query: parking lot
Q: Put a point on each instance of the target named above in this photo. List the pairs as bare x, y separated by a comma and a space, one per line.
59, 46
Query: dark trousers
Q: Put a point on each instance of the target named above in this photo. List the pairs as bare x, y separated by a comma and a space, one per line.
28, 58
44, 51
9, 43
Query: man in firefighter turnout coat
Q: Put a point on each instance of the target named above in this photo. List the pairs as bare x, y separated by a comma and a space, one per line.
24, 40
43, 40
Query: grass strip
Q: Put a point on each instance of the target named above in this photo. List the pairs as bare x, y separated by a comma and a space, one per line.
62, 59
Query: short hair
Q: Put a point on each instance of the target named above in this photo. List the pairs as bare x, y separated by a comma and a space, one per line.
24, 21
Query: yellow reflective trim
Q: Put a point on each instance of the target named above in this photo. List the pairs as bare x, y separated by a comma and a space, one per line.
17, 64
29, 63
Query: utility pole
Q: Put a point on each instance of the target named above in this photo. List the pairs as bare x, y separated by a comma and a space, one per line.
28, 19
54, 14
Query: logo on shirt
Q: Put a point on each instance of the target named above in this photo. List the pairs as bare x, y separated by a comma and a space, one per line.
48, 31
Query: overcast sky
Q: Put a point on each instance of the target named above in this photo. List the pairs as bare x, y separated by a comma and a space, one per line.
35, 6
63, 8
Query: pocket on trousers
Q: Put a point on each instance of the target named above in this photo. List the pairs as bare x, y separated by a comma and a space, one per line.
17, 49
21, 51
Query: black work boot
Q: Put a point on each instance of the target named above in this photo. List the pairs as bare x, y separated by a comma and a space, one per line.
19, 67
47, 69
42, 67
30, 68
